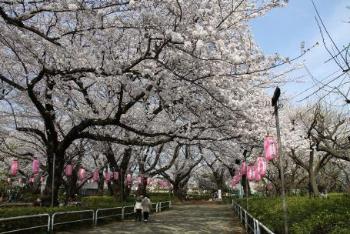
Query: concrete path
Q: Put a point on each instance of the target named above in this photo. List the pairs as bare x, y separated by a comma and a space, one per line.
201, 218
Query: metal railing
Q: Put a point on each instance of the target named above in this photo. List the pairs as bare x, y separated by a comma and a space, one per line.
46, 226
81, 216
81, 219
154, 207
251, 224
100, 213
128, 211
162, 205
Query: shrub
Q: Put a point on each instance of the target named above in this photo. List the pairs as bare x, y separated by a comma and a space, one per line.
305, 215
99, 201
157, 197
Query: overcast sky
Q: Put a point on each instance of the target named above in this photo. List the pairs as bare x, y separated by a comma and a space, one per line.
283, 29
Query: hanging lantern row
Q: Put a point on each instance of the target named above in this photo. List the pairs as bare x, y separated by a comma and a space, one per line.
68, 170
108, 176
15, 166
257, 171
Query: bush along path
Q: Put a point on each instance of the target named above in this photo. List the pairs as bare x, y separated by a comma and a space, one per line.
191, 218
305, 215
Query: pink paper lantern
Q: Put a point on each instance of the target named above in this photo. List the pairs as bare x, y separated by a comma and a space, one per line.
128, 178
250, 173
243, 168
107, 176
81, 173
139, 179
95, 176
270, 148
115, 175
68, 170
236, 179
269, 186
35, 166
261, 165
14, 167
257, 176
31, 180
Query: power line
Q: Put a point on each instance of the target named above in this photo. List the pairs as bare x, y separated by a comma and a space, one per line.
334, 79
308, 89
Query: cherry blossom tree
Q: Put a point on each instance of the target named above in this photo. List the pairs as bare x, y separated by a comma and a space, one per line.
129, 72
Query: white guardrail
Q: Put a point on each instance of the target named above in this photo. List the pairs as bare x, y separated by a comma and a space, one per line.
84, 215
252, 225
113, 212
92, 218
47, 225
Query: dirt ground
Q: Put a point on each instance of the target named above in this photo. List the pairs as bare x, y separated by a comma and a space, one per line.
191, 218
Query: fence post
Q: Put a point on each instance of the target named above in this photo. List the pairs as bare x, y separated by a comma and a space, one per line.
52, 221
254, 226
241, 213
160, 207
157, 207
93, 217
96, 217
48, 223
169, 204
123, 212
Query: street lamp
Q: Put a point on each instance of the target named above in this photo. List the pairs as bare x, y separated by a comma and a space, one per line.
275, 98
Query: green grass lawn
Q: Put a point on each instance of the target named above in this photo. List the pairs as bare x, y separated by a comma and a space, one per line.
305, 215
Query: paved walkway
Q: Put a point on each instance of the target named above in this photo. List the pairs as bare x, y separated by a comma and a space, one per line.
190, 219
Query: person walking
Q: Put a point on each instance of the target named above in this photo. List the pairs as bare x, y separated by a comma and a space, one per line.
146, 208
138, 209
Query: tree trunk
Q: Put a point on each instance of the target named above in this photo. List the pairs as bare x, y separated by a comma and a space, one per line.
100, 185
179, 192
313, 187
142, 188
71, 186
58, 170
219, 180
125, 190
245, 185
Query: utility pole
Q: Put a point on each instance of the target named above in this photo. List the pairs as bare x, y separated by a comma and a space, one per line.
53, 179
275, 98
246, 189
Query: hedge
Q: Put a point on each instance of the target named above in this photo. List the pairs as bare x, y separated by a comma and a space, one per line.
305, 215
